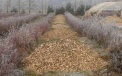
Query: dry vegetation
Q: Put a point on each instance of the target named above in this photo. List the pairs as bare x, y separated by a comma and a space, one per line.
18, 43
107, 34
115, 19
6, 15
6, 24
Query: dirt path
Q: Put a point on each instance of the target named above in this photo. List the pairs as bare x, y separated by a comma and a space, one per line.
61, 51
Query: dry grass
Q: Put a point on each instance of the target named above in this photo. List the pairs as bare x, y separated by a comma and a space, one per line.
114, 19
62, 52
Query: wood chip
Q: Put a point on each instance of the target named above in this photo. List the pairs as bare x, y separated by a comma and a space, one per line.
62, 52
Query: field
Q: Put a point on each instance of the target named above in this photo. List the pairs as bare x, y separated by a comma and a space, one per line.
62, 51
59, 45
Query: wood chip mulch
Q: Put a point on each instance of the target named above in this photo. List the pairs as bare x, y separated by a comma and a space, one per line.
62, 52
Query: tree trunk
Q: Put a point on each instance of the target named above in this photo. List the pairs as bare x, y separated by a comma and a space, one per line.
19, 5
29, 6
42, 6
8, 4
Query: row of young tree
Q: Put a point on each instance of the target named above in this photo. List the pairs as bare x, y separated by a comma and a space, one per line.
69, 8
22, 6
79, 11
14, 9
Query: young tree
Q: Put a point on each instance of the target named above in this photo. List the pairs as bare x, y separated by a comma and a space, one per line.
75, 6
42, 6
19, 6
69, 8
8, 4
80, 10
1, 2
60, 10
14, 10
23, 11
29, 6
46, 6
50, 9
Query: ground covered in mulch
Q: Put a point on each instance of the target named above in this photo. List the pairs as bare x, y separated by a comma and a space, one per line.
62, 51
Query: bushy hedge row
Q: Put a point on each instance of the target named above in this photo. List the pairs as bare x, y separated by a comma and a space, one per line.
5, 15
107, 34
17, 45
15, 21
